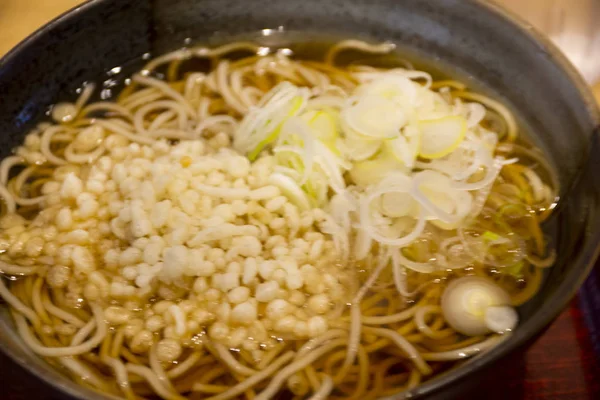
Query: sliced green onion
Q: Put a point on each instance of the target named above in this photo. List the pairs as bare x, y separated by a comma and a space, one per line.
290, 189
516, 269
491, 236
271, 137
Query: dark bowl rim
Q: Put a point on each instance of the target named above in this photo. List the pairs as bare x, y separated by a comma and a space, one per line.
535, 325
64, 386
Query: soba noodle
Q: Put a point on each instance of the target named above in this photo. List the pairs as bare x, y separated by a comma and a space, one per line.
146, 257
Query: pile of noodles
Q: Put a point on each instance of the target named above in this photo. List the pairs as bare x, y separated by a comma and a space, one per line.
391, 337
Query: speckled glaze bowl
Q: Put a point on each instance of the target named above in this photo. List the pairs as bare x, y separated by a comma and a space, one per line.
471, 40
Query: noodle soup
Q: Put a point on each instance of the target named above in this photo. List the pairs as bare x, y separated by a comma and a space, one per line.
241, 223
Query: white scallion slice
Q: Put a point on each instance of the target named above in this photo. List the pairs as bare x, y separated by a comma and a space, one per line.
323, 124
295, 105
362, 245
374, 117
406, 146
440, 137
290, 189
397, 204
371, 172
394, 183
393, 87
436, 194
358, 149
501, 319
262, 125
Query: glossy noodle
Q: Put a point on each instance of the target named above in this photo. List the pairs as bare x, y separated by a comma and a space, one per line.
272, 226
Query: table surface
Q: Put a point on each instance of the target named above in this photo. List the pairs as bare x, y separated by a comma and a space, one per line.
560, 365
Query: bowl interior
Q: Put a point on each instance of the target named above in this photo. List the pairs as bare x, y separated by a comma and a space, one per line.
472, 41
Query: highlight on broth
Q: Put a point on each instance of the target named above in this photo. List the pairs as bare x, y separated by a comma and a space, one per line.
271, 225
